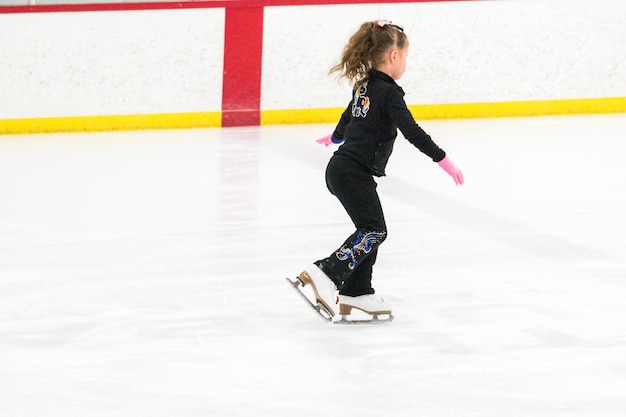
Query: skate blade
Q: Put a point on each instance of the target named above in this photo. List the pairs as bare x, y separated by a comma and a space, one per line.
305, 279
375, 319
318, 307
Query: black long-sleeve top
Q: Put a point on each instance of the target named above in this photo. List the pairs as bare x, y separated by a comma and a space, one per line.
370, 124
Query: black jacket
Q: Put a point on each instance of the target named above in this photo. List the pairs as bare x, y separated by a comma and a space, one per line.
370, 124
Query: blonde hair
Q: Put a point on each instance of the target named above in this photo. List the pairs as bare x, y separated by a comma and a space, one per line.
365, 49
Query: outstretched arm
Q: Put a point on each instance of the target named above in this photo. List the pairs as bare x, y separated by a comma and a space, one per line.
336, 138
452, 170
420, 139
329, 140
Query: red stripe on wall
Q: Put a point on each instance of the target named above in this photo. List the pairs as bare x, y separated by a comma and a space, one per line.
243, 51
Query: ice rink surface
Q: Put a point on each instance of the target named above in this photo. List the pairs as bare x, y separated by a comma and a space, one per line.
143, 274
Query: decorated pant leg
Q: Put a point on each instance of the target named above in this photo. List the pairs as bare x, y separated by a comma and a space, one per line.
342, 263
359, 282
352, 262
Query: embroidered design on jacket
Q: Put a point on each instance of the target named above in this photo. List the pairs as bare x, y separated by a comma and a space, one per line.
361, 102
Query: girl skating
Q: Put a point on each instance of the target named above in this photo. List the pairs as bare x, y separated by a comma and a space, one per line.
373, 59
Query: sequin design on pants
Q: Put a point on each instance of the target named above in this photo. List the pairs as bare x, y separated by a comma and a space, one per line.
360, 247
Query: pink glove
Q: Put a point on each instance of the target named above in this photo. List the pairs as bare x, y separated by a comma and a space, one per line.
454, 172
328, 140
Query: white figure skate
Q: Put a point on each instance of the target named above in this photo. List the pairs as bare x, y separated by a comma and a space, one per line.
372, 305
324, 291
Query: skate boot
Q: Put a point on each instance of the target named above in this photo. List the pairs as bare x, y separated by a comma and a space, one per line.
324, 289
370, 304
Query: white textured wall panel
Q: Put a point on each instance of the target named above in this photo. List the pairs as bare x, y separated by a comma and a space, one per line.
460, 52
169, 61
58, 64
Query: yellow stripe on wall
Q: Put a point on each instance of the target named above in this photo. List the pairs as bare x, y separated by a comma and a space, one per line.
300, 116
317, 115
463, 110
520, 108
108, 123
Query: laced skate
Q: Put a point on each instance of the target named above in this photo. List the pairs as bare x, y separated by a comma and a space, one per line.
324, 299
371, 305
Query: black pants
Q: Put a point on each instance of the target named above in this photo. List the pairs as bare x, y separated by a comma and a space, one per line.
350, 266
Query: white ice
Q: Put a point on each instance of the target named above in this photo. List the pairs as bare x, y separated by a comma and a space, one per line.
143, 274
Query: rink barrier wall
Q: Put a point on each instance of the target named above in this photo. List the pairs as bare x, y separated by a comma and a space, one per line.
563, 107
241, 102
309, 116
111, 123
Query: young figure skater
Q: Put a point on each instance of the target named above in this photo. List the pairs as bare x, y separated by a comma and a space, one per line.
373, 59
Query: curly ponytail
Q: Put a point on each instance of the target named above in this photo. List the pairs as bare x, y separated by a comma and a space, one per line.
365, 49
